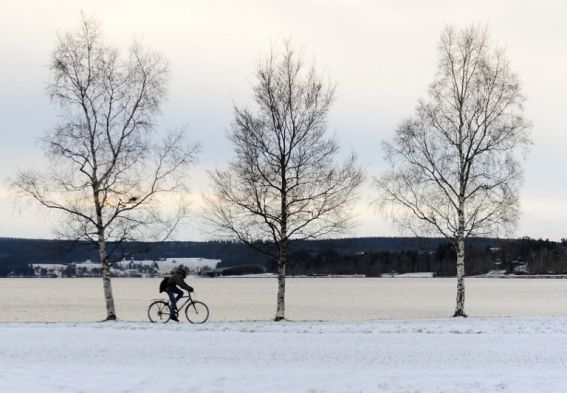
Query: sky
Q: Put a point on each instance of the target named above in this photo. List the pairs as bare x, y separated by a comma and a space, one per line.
381, 54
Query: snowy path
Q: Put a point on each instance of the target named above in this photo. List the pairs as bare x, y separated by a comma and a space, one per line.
443, 355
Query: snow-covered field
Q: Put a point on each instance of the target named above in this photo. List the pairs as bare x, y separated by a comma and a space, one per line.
441, 355
347, 335
320, 299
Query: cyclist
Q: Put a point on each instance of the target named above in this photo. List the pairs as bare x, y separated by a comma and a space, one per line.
175, 282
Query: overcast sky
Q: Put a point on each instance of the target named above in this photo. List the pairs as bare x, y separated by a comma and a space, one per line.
381, 54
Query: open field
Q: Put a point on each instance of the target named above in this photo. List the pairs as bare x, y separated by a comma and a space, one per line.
325, 299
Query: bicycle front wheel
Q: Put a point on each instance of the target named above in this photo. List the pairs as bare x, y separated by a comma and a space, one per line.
158, 312
197, 312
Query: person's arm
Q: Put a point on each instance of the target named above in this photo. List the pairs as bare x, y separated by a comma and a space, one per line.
182, 284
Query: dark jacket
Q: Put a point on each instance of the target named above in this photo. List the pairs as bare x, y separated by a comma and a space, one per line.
177, 279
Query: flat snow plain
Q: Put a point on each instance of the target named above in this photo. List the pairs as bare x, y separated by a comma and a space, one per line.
320, 299
441, 355
348, 335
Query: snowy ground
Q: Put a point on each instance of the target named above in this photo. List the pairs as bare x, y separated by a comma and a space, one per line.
437, 355
324, 299
519, 349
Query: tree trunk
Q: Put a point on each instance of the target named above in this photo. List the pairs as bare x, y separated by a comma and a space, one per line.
280, 312
460, 308
106, 284
105, 266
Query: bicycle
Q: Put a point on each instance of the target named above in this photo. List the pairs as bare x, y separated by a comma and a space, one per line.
195, 311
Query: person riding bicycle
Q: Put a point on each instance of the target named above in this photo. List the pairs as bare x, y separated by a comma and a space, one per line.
175, 293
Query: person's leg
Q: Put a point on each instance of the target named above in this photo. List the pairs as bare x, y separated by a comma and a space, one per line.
172, 303
179, 293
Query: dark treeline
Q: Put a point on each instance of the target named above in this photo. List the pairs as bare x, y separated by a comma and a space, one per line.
440, 261
367, 256
520, 256
17, 254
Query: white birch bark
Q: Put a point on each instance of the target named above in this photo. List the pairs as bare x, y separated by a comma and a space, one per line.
280, 310
460, 303
106, 282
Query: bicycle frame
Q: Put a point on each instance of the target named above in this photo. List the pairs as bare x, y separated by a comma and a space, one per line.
185, 299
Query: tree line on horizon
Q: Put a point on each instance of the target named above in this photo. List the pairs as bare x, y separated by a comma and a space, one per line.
453, 165
371, 257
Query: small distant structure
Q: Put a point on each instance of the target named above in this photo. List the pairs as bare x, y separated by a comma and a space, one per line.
48, 270
520, 267
240, 270
212, 272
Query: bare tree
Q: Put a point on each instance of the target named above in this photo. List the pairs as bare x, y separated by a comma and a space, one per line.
106, 174
454, 165
283, 183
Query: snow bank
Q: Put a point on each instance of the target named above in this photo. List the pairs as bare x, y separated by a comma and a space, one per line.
444, 355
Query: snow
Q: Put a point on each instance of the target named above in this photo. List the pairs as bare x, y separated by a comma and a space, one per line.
88, 265
347, 335
325, 299
414, 275
166, 265
419, 356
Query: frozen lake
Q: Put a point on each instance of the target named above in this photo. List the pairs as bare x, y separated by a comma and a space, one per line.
242, 299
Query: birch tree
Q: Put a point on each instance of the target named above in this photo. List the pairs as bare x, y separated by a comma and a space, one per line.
454, 166
107, 176
284, 182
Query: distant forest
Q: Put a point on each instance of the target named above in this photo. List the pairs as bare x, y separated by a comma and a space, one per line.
372, 256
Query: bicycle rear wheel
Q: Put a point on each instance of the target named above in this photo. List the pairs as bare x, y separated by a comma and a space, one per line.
158, 312
197, 312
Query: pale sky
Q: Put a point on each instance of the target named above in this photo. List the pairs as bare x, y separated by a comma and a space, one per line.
381, 54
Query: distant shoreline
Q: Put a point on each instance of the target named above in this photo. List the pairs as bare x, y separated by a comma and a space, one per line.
273, 275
